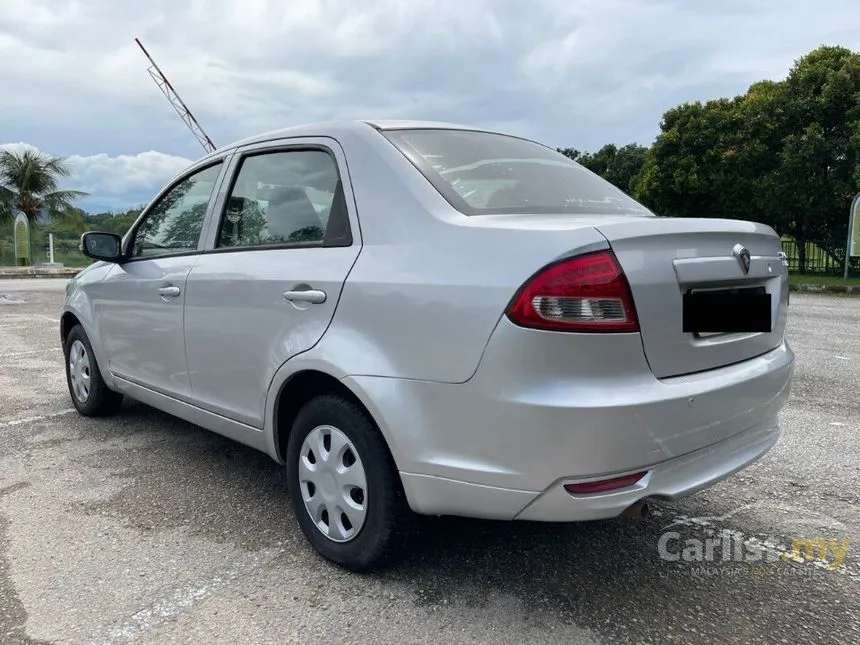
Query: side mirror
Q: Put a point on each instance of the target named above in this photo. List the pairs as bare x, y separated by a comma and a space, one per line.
101, 246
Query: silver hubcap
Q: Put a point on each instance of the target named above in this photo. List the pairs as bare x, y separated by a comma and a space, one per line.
333, 483
79, 371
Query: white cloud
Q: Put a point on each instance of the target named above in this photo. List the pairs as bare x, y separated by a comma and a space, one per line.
568, 72
116, 182
19, 147
141, 174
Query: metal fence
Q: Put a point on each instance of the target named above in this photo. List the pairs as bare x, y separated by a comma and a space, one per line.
818, 260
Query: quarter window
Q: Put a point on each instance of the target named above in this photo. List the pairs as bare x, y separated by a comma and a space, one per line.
281, 198
175, 223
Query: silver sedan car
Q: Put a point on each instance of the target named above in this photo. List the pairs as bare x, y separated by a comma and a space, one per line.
428, 319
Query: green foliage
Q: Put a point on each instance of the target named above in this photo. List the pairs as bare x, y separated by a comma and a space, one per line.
29, 183
826, 280
118, 223
67, 235
619, 166
785, 153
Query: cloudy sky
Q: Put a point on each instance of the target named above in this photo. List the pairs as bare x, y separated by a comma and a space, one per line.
576, 73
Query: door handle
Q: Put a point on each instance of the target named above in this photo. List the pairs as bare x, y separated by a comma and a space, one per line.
314, 296
169, 292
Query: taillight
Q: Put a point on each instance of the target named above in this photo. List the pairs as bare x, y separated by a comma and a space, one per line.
587, 293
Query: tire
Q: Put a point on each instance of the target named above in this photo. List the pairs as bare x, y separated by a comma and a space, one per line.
366, 541
94, 399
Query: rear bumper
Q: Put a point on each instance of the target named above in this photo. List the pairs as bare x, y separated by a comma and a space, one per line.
668, 480
540, 412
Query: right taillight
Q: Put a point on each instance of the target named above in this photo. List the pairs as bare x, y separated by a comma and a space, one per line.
586, 293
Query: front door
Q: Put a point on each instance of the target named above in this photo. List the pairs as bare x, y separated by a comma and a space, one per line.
268, 288
139, 306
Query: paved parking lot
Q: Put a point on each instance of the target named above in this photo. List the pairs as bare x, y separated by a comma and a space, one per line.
144, 529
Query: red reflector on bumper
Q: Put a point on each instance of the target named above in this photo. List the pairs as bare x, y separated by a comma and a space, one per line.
604, 485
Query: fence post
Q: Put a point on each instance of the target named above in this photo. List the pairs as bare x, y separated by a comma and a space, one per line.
50, 248
851, 242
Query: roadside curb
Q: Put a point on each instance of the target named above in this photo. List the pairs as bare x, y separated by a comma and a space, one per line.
848, 290
18, 273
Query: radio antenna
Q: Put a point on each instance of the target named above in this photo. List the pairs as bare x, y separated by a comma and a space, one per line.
178, 104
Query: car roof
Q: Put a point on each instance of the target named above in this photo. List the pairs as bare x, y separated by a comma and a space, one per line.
333, 128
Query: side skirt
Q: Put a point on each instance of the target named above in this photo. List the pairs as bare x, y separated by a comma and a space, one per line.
239, 432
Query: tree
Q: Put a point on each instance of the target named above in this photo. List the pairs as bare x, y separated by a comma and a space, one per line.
820, 152
619, 166
703, 163
570, 153
109, 222
29, 183
785, 153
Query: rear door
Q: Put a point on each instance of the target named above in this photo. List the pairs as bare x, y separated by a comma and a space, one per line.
267, 286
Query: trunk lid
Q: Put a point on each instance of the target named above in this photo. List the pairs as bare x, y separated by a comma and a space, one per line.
665, 257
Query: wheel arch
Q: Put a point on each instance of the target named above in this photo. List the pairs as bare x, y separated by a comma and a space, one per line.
299, 388
67, 321
72, 316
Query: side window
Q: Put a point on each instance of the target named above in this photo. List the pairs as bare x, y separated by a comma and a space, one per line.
283, 197
175, 223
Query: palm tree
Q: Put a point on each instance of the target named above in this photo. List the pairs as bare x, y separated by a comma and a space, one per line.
28, 183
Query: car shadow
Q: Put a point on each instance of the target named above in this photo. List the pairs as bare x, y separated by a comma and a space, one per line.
604, 576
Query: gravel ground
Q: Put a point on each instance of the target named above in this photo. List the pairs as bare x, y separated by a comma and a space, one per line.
145, 529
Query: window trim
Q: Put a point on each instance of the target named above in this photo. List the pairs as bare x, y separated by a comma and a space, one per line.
461, 205
128, 240
236, 165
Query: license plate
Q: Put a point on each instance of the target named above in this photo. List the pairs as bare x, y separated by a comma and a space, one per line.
727, 311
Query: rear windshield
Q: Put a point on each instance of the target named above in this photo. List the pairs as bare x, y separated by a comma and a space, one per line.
482, 173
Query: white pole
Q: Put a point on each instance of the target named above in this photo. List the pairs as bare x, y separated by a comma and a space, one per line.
855, 207
51, 247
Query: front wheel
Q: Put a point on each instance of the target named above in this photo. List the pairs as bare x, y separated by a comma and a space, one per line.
90, 395
345, 489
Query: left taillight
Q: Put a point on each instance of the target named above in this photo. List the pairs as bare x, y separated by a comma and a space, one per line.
586, 293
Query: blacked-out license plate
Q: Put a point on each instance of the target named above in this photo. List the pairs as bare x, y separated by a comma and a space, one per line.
727, 312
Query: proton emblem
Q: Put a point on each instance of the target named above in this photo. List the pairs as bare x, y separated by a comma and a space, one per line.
743, 256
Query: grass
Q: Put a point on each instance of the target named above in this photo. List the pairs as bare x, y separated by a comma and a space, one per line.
72, 259
827, 280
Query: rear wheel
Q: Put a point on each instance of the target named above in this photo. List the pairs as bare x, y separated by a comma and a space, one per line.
90, 395
344, 486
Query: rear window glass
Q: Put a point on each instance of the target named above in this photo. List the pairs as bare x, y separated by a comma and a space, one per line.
482, 173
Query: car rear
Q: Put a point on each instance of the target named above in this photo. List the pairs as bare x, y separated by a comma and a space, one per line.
618, 415
592, 392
